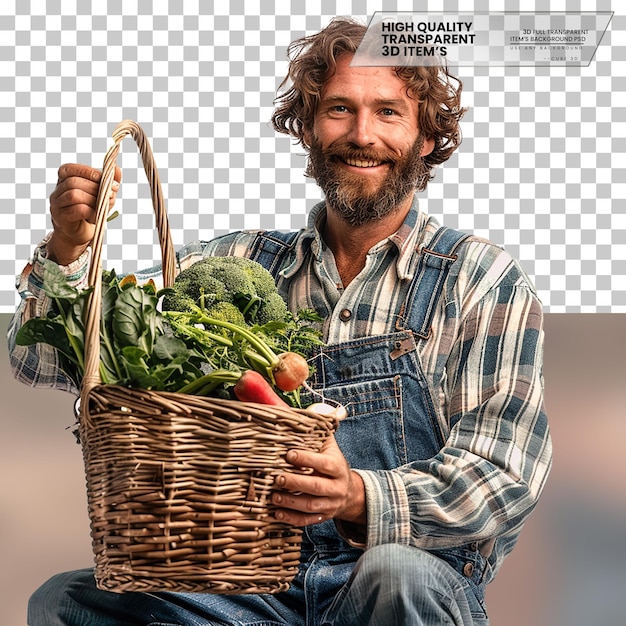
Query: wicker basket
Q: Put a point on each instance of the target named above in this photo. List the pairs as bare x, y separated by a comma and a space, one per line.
179, 486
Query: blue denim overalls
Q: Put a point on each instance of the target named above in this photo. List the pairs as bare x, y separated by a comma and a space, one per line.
391, 420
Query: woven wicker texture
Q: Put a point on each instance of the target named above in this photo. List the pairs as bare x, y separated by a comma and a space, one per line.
179, 486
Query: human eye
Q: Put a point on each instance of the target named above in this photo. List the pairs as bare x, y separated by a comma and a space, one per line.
386, 112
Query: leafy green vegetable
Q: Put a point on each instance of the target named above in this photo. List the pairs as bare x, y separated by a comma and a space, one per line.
186, 351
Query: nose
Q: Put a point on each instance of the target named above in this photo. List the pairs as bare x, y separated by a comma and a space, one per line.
361, 132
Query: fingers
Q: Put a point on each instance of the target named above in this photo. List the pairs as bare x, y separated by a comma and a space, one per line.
309, 484
73, 206
73, 211
328, 461
329, 472
74, 199
77, 170
69, 170
84, 180
317, 503
76, 193
300, 510
317, 496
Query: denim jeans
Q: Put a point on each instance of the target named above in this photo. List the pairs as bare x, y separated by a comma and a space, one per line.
390, 423
390, 584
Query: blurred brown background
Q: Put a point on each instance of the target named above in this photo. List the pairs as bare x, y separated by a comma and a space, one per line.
569, 567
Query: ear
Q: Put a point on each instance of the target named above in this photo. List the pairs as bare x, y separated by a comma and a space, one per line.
428, 147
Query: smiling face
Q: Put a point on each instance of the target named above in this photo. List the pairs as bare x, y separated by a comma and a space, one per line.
365, 147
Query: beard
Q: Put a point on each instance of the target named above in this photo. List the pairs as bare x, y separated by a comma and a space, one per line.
348, 194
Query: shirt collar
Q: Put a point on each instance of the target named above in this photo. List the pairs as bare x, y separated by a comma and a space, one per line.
406, 239
409, 237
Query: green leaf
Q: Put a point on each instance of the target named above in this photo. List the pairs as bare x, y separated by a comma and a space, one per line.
55, 283
168, 348
134, 361
44, 330
248, 304
74, 321
109, 367
271, 327
309, 315
157, 375
135, 318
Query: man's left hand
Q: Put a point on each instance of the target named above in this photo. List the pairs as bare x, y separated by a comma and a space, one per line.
332, 490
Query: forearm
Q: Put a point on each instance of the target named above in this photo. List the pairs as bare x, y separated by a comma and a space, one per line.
455, 498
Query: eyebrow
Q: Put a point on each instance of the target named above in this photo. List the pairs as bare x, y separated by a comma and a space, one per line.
392, 103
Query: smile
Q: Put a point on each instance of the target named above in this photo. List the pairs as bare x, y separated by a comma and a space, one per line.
362, 163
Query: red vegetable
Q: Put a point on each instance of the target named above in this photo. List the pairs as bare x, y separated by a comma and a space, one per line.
290, 371
252, 387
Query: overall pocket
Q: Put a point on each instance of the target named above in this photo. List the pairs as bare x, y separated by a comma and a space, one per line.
372, 434
390, 418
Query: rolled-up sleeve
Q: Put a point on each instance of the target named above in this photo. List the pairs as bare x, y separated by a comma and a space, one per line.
38, 365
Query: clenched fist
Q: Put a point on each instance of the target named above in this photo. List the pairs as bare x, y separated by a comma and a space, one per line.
73, 210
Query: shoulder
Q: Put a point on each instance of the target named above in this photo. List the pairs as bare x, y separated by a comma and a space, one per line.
483, 269
248, 243
231, 244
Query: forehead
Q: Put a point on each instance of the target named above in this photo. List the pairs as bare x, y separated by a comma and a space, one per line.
365, 83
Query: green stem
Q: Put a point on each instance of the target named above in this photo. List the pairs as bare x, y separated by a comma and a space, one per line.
258, 344
211, 379
73, 341
104, 339
252, 302
295, 397
258, 362
198, 334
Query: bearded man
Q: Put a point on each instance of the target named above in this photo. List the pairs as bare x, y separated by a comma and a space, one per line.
433, 344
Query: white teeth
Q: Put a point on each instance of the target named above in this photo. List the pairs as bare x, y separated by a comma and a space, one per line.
360, 163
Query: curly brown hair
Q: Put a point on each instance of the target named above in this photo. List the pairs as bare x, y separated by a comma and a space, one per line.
314, 58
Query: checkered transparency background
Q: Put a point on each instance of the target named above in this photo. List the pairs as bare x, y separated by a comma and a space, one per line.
541, 170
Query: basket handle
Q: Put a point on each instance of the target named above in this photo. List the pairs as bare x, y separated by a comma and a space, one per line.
91, 376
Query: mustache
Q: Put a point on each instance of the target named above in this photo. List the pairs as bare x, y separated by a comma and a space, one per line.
346, 151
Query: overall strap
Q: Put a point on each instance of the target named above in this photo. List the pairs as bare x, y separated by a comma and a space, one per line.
431, 272
270, 247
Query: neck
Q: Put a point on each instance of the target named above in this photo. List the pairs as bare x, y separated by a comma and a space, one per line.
350, 244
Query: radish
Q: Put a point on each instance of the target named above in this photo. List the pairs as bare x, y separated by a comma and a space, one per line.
253, 387
290, 371
338, 411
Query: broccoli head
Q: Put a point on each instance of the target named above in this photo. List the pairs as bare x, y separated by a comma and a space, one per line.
194, 287
273, 309
226, 312
239, 281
